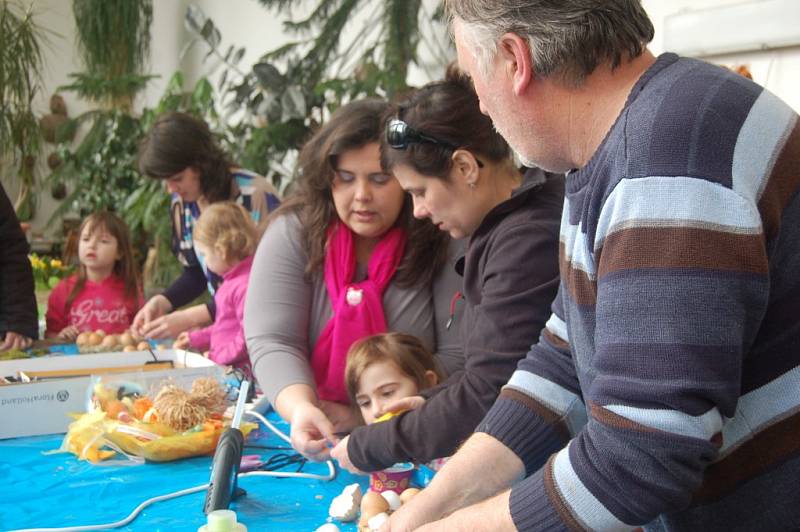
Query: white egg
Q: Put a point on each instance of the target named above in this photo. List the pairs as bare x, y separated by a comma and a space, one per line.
392, 498
328, 527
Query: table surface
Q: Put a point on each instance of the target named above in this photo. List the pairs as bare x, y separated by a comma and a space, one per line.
58, 490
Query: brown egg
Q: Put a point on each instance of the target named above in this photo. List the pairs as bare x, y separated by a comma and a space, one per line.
126, 339
129, 348
110, 342
94, 339
101, 333
142, 346
408, 494
83, 338
372, 504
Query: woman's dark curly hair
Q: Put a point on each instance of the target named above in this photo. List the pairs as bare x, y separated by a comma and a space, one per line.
178, 141
351, 127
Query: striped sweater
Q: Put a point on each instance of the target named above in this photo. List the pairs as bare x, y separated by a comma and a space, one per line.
665, 388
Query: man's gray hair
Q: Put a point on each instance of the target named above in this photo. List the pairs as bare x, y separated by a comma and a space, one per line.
567, 38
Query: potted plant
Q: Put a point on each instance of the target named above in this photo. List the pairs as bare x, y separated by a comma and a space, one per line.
20, 76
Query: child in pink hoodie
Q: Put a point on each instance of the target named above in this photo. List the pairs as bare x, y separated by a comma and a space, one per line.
225, 238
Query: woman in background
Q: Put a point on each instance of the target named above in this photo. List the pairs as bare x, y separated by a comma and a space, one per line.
181, 151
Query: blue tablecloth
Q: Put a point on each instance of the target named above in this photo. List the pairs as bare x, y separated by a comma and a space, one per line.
58, 490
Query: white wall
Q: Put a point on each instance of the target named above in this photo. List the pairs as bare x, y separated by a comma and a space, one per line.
777, 70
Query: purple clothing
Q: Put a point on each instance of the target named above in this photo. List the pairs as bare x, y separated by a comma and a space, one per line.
226, 335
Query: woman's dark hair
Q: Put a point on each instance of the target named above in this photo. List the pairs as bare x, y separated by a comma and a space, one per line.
351, 127
178, 141
124, 267
448, 111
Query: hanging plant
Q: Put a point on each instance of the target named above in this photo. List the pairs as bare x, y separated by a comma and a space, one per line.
113, 38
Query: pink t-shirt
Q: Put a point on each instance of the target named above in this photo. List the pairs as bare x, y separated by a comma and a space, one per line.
100, 305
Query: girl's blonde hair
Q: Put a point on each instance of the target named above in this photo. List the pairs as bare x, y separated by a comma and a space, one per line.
124, 267
228, 228
405, 350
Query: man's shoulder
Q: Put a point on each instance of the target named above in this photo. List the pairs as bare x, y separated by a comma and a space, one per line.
687, 120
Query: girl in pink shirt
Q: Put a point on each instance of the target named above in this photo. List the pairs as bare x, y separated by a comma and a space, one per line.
105, 293
225, 238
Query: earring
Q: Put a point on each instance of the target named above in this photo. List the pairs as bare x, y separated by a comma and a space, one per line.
471, 185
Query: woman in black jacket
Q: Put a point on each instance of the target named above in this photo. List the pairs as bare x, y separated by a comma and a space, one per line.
461, 175
19, 324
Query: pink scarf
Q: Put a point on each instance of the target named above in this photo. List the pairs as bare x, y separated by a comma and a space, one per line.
357, 307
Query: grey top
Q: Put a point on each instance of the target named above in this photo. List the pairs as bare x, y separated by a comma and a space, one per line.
285, 314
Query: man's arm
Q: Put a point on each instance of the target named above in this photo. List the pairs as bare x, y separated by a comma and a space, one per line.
482, 468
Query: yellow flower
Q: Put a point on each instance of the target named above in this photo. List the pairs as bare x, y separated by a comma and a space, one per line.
55, 263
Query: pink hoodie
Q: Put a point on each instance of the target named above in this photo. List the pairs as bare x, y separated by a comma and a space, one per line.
226, 335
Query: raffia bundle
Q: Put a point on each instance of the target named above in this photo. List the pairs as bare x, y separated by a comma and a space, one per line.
182, 410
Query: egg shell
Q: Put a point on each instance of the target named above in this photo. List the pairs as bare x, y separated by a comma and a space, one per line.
126, 338
82, 338
408, 494
328, 527
344, 506
94, 339
392, 498
376, 521
129, 348
101, 333
143, 346
372, 504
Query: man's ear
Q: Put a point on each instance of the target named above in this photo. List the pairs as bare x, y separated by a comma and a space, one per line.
465, 167
515, 52
431, 379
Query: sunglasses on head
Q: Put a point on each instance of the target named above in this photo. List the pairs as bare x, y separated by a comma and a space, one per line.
399, 135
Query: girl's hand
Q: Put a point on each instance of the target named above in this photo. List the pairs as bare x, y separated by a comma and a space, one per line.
168, 326
155, 307
69, 333
182, 341
339, 453
311, 432
406, 403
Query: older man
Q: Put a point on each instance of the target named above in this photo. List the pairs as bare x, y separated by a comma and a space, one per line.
665, 388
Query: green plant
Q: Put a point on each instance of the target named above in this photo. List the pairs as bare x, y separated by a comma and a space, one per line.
293, 88
20, 75
114, 43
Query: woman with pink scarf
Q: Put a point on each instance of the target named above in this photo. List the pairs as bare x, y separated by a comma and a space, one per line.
343, 258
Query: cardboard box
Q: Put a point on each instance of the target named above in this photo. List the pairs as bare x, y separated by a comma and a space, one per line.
43, 407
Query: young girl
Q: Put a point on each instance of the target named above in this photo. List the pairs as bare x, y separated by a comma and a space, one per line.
225, 238
384, 368
105, 292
